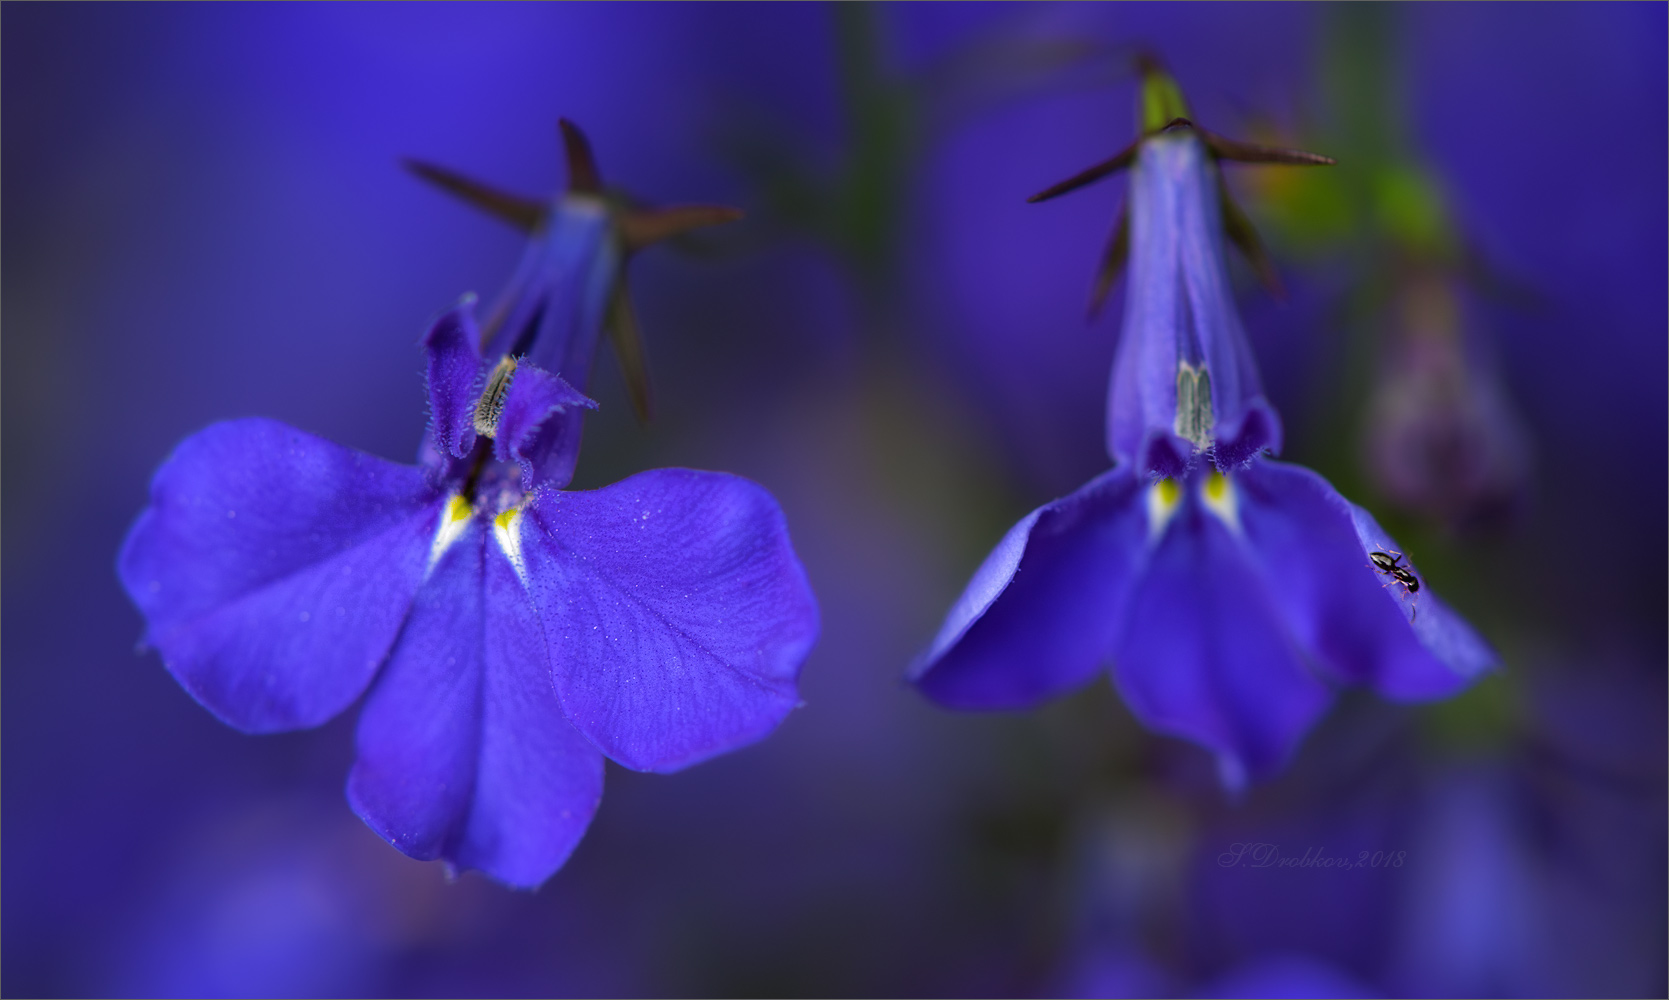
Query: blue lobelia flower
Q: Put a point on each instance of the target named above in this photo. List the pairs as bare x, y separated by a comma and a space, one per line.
511, 634
1231, 595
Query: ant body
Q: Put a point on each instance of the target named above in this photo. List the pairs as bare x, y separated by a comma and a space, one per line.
1390, 563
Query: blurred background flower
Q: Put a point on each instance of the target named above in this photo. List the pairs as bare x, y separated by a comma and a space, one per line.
204, 219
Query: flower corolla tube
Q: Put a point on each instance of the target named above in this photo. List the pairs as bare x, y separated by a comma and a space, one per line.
1230, 593
510, 633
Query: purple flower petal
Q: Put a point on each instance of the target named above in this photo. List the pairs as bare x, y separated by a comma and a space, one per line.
464, 753
540, 426
676, 612
1314, 546
454, 378
1041, 614
1444, 634
274, 569
1206, 656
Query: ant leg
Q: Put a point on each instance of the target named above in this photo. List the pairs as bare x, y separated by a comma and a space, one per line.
1415, 607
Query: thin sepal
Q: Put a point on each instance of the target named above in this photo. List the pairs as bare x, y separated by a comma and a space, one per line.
1240, 231
627, 338
525, 214
644, 227
1222, 148
1251, 152
1084, 178
583, 175
1112, 262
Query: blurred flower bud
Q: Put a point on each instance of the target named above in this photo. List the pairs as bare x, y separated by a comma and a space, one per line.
1442, 439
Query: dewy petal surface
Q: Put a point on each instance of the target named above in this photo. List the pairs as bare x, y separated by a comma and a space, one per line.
1180, 311
1205, 654
464, 753
1040, 616
1313, 546
676, 612
274, 569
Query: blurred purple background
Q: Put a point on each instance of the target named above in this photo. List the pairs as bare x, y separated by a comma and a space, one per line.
204, 218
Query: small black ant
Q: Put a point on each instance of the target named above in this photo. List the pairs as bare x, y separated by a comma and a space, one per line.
1390, 563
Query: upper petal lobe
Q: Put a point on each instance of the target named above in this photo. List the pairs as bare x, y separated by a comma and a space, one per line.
540, 426
675, 609
454, 377
274, 569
